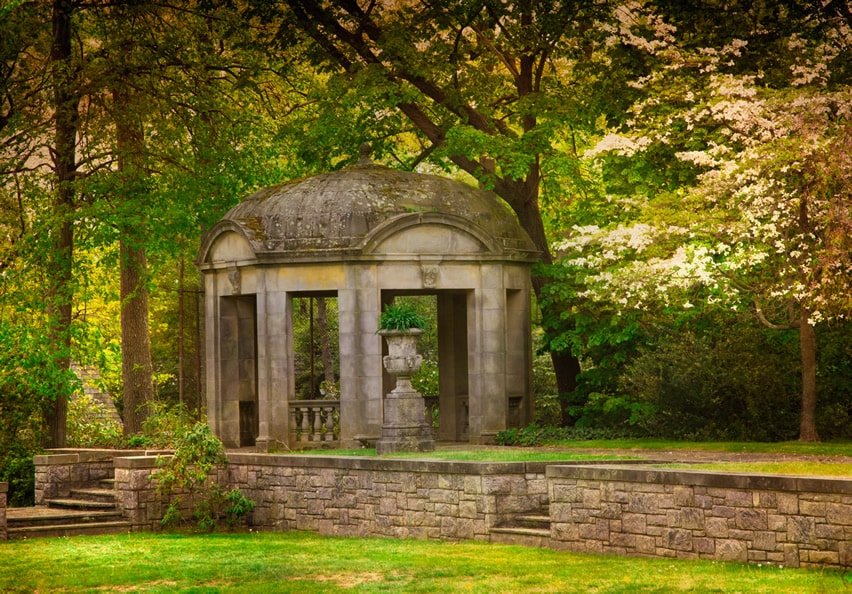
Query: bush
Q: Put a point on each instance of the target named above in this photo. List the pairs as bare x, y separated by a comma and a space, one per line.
164, 427
536, 435
89, 426
189, 479
17, 469
720, 385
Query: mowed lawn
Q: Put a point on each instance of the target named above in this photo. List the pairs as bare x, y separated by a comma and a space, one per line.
302, 562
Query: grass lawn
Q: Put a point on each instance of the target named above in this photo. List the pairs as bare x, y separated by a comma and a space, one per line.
831, 448
789, 468
305, 563
482, 454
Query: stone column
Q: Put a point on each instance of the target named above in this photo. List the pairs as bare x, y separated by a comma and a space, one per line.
360, 356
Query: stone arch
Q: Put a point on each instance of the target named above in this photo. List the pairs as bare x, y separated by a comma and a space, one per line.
429, 233
226, 242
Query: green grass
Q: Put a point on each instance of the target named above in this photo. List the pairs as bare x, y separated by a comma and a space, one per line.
788, 468
490, 454
843, 448
306, 563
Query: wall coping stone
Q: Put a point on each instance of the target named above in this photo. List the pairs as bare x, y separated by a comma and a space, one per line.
702, 478
404, 464
134, 462
61, 456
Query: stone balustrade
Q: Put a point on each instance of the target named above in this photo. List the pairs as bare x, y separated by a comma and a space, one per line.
784, 520
314, 423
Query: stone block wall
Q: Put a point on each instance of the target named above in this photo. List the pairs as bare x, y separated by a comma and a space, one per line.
4, 490
791, 521
61, 470
386, 497
136, 492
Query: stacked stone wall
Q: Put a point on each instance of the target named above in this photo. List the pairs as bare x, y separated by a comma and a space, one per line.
791, 521
381, 497
4, 490
62, 470
137, 497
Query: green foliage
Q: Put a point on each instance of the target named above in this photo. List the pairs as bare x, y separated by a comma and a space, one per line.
719, 385
425, 380
89, 426
401, 316
189, 479
536, 435
316, 345
30, 380
834, 380
165, 427
17, 469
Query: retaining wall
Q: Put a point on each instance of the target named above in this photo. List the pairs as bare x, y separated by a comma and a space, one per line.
348, 496
791, 521
61, 470
596, 508
4, 489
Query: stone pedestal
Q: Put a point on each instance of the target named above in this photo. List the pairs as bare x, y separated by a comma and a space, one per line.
404, 426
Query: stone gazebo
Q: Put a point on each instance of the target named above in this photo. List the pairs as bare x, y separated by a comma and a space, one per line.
364, 235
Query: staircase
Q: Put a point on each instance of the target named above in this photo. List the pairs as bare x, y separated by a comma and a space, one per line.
86, 511
528, 529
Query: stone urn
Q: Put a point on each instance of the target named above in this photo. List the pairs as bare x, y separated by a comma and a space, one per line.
404, 426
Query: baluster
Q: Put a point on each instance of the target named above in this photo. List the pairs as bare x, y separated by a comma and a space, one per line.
297, 422
330, 427
306, 418
322, 422
312, 421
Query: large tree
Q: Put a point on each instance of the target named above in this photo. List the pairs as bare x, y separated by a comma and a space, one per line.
141, 132
497, 89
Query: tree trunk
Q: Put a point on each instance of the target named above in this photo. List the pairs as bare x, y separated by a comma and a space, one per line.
523, 198
807, 348
136, 367
66, 114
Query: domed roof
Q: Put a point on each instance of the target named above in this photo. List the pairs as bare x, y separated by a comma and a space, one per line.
341, 214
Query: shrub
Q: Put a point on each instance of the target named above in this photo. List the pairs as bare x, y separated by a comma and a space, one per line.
17, 469
536, 435
164, 427
716, 385
189, 479
89, 426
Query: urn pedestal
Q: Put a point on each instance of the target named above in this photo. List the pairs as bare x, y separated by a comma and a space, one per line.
404, 426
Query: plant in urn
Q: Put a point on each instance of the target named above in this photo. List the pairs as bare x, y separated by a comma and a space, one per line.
404, 427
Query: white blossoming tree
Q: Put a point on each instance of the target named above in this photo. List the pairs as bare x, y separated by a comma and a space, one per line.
733, 179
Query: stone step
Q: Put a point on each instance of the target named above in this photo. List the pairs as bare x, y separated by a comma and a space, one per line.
94, 494
53, 530
45, 516
528, 537
81, 504
540, 521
